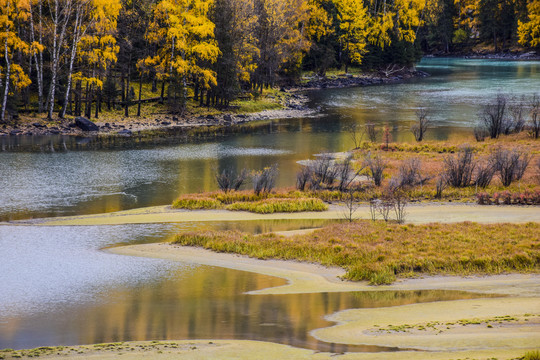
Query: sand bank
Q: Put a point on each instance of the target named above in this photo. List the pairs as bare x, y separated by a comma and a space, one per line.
417, 213
305, 277
243, 349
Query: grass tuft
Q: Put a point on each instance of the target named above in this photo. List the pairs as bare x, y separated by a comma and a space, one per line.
269, 206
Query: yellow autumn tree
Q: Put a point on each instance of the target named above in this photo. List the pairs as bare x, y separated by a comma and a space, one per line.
12, 75
353, 20
187, 45
529, 32
282, 39
94, 45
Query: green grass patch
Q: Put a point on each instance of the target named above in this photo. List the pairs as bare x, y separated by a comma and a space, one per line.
286, 201
196, 203
269, 206
380, 252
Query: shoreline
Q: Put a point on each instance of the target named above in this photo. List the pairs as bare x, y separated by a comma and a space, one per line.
293, 107
303, 277
417, 213
240, 349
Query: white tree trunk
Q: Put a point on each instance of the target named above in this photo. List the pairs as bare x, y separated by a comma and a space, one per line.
76, 38
8, 74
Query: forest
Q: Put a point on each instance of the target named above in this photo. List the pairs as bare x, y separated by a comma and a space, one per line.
74, 57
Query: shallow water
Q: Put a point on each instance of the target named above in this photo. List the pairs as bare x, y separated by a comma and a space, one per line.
58, 288
72, 182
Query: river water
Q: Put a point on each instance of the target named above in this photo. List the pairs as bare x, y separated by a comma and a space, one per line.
84, 182
58, 287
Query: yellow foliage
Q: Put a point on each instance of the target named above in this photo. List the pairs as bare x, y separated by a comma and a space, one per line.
529, 32
353, 18
186, 40
320, 22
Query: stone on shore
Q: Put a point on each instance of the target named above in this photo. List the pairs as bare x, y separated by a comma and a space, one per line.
85, 125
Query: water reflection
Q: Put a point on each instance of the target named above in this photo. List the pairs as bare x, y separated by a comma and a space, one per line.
57, 288
202, 303
72, 182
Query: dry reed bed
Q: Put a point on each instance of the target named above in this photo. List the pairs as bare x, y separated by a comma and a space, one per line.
379, 252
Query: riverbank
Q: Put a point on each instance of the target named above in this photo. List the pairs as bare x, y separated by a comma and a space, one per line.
287, 102
289, 106
238, 349
416, 213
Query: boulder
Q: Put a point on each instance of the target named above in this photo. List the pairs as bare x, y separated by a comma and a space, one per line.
85, 125
125, 132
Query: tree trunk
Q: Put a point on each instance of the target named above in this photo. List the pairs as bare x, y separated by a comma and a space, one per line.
140, 93
62, 113
8, 74
126, 104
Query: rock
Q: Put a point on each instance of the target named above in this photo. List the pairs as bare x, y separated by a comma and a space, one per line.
85, 125
54, 131
210, 117
38, 125
125, 132
227, 118
175, 118
15, 132
165, 123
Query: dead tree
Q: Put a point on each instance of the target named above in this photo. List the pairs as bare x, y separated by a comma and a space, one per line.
423, 122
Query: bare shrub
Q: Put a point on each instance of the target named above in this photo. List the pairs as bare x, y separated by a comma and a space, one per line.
351, 205
355, 135
384, 207
515, 122
228, 180
484, 173
372, 132
345, 173
386, 137
376, 165
265, 180
510, 164
535, 116
492, 116
303, 177
400, 201
458, 170
324, 171
440, 185
373, 203
410, 173
480, 133
419, 129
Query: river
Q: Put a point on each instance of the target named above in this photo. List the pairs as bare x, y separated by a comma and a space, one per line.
58, 287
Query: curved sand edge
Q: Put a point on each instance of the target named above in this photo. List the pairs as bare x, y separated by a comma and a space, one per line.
416, 213
484, 327
509, 339
306, 278
249, 349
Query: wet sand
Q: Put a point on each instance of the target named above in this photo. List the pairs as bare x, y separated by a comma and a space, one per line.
417, 213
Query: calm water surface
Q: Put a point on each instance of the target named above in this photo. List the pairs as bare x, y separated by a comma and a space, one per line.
57, 288
69, 183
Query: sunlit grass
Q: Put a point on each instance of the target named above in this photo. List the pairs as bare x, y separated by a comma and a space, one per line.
292, 201
380, 252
